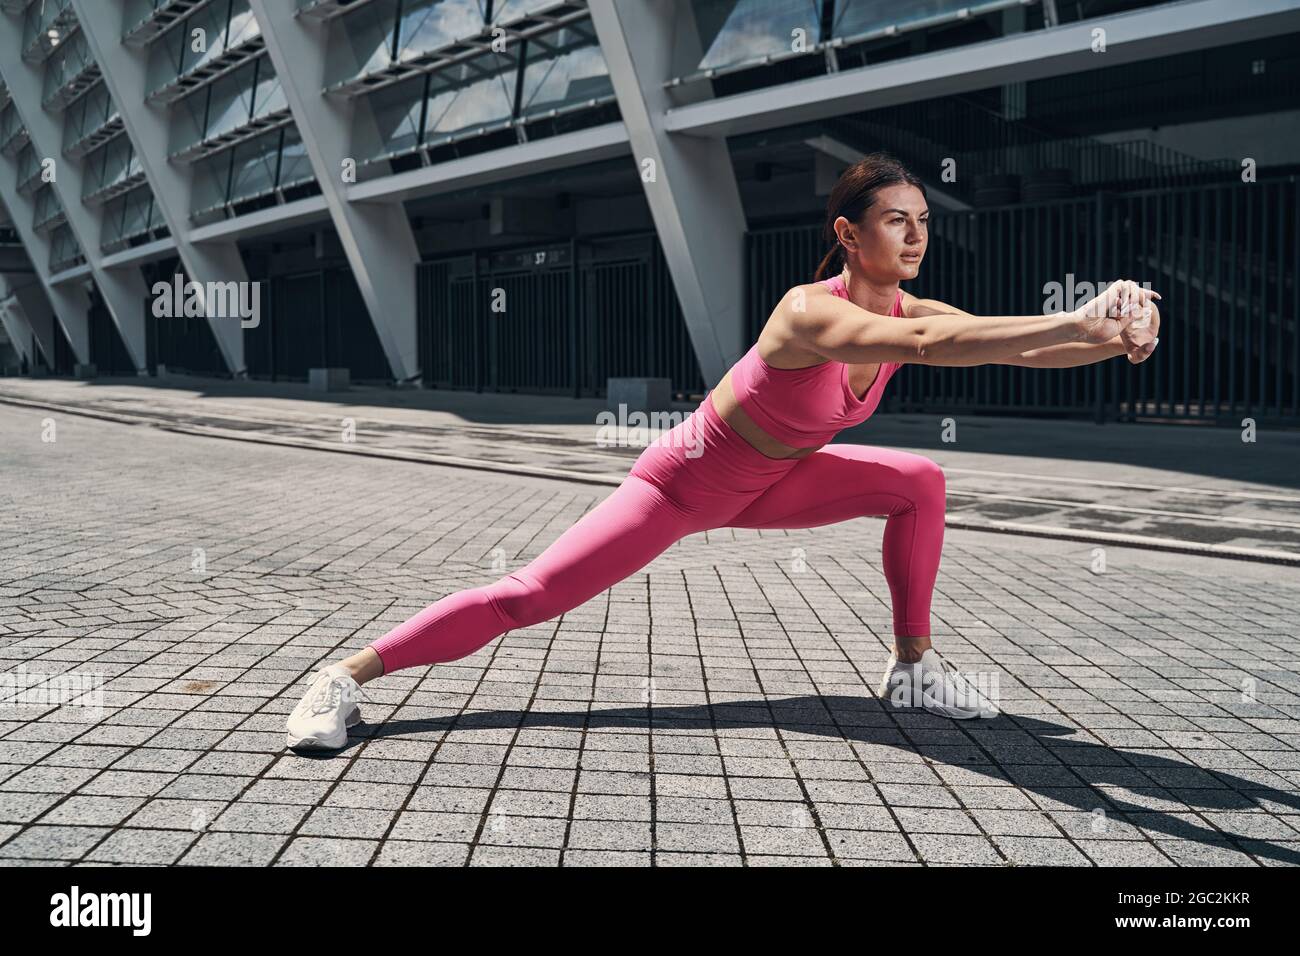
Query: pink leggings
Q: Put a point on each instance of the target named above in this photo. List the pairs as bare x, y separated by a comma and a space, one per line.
697, 476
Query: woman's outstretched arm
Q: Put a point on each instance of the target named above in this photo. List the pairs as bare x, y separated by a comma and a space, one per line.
843, 331
1068, 354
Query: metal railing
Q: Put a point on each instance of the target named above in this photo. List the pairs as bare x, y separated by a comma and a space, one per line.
577, 313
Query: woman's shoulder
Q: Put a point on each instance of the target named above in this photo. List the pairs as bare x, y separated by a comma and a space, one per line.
778, 342
909, 301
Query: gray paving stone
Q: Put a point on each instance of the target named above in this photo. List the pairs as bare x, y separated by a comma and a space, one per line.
410, 853
324, 851
143, 847
608, 835
247, 817
488, 855
52, 842
765, 733
606, 858
233, 849
327, 821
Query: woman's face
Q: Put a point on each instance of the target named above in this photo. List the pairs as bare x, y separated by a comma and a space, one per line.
889, 243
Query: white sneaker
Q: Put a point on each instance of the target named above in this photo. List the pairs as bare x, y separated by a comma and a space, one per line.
936, 685
323, 716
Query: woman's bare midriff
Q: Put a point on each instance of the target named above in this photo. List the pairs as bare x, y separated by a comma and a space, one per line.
731, 412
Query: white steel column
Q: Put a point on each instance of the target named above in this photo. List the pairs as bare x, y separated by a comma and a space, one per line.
691, 186
376, 237
70, 302
124, 74
14, 318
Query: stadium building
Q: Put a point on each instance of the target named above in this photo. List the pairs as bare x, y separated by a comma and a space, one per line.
537, 196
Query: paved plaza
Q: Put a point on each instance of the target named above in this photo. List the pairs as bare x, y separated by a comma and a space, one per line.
717, 707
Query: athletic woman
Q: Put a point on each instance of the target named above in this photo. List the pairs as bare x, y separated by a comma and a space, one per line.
755, 454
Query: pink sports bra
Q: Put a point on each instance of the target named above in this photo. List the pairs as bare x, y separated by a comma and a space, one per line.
805, 407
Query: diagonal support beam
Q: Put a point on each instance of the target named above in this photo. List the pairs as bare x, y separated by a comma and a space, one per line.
31, 303
692, 193
124, 71
71, 304
376, 238
13, 316
124, 289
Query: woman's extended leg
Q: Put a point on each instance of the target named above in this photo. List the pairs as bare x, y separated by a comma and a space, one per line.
623, 533
840, 482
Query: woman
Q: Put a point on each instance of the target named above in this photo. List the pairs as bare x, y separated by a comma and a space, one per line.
754, 454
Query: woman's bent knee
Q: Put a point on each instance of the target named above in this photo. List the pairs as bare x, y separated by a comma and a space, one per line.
521, 602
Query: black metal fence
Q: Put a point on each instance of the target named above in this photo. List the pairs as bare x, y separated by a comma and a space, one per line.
315, 319
181, 343
1224, 258
107, 350
560, 319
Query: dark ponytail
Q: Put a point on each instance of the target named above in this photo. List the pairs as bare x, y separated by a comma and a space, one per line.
855, 193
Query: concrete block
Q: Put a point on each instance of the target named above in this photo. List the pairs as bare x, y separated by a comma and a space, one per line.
640, 394
328, 379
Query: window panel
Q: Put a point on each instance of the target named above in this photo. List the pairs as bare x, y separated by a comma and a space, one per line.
739, 30
87, 114
295, 166
254, 166
573, 76
212, 20
453, 111
112, 163
10, 123
111, 231
28, 164
46, 205
138, 204
211, 177
396, 110
189, 119
228, 102
66, 63
243, 25
362, 43
64, 250
429, 24
166, 57
269, 95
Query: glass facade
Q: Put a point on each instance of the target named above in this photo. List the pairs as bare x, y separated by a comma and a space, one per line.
232, 107
113, 187
432, 76
229, 121
746, 34
212, 38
